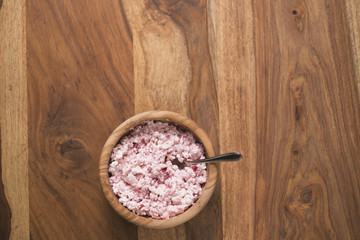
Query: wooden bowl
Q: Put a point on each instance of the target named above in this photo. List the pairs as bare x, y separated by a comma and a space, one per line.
122, 130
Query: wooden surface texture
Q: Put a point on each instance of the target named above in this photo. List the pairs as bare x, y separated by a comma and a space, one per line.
278, 81
14, 181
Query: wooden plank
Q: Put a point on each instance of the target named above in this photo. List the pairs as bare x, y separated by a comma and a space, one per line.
353, 16
308, 170
173, 71
80, 79
14, 195
232, 28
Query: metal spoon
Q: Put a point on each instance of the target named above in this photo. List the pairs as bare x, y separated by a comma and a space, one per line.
227, 157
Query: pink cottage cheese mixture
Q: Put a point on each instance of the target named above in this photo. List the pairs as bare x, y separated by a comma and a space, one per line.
144, 177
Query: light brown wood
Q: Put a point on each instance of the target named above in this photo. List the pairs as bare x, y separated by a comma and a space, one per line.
123, 129
233, 44
353, 16
14, 130
308, 120
172, 58
160, 59
177, 68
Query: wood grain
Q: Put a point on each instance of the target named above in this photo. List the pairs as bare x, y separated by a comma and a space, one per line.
14, 194
80, 76
353, 16
278, 81
308, 119
173, 71
233, 44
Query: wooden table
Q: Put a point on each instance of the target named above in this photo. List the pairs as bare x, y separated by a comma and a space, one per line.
278, 82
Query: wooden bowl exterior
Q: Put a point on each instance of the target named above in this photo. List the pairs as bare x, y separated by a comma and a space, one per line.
123, 129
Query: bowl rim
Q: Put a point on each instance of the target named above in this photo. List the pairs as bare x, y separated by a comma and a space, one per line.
124, 128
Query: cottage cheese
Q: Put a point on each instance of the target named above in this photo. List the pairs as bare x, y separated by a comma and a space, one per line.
144, 176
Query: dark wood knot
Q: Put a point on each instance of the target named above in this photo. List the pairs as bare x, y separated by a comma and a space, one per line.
298, 14
306, 196
300, 202
296, 148
74, 156
70, 145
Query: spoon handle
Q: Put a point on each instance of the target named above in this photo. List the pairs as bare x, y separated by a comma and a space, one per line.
227, 157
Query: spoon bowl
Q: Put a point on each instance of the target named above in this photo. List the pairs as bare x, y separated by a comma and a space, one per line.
227, 157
